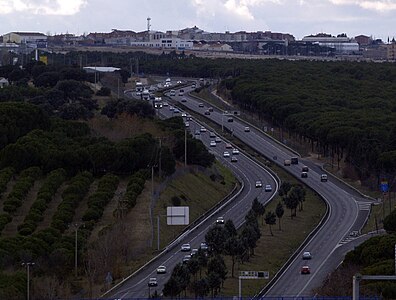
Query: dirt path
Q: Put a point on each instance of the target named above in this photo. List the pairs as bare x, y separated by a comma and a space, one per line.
52, 207
108, 217
10, 186
11, 229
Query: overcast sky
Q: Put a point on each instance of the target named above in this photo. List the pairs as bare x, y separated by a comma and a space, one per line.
375, 18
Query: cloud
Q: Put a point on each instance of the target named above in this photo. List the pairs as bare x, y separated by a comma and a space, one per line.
376, 5
42, 7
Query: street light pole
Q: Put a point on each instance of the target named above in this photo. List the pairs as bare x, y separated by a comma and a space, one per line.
76, 225
185, 147
28, 264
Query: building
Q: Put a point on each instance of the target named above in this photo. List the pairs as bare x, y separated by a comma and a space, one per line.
3, 82
391, 51
363, 40
341, 43
32, 39
165, 43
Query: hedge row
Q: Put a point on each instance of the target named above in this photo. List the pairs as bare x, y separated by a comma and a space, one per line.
21, 188
73, 194
44, 197
5, 176
135, 187
97, 202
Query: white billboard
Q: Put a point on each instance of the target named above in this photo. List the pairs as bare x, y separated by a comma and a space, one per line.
177, 215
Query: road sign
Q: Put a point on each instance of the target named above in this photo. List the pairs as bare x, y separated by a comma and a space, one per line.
384, 186
177, 215
253, 274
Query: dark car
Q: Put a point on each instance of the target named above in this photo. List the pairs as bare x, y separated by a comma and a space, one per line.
305, 270
304, 175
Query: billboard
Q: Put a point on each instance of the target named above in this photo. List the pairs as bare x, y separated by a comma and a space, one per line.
177, 215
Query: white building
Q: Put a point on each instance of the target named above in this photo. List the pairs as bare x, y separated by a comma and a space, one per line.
3, 82
165, 43
342, 44
36, 39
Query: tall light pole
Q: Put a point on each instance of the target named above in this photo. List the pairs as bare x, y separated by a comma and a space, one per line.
28, 264
185, 147
75, 225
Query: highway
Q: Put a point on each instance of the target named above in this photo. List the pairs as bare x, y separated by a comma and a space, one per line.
347, 209
247, 171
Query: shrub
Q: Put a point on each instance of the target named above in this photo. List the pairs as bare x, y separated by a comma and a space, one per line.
176, 201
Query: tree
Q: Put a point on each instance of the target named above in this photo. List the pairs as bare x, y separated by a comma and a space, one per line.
216, 237
200, 288
230, 229
171, 288
279, 211
390, 222
250, 235
258, 207
270, 219
284, 188
234, 248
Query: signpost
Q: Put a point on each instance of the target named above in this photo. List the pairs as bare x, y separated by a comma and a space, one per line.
251, 275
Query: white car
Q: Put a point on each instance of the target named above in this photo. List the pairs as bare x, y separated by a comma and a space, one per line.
187, 124
165, 104
161, 270
185, 248
183, 115
203, 129
226, 154
268, 188
152, 282
212, 144
259, 184
247, 129
235, 151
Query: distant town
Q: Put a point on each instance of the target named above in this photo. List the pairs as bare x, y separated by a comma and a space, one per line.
197, 40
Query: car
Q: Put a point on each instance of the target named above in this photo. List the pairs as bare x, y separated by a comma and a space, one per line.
202, 129
305, 270
171, 108
152, 282
184, 99
234, 159
294, 160
212, 144
287, 162
179, 82
204, 246
306, 255
247, 129
323, 177
304, 175
217, 139
207, 113
187, 124
228, 146
304, 169
186, 258
194, 251
165, 104
235, 151
161, 270
212, 134
193, 85
220, 220
268, 188
259, 184
176, 111
226, 154
184, 115
181, 94
186, 248
230, 119
197, 132
200, 105
189, 118
210, 109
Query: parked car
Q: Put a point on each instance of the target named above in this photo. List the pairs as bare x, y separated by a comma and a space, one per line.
186, 248
161, 270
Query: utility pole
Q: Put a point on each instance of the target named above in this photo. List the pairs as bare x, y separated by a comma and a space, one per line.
75, 225
28, 264
160, 157
185, 147
118, 88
